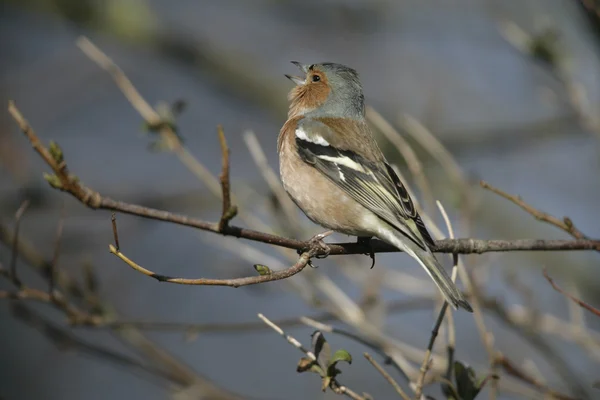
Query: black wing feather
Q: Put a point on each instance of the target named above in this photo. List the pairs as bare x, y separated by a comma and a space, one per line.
379, 189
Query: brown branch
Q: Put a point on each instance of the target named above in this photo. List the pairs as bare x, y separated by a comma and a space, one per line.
302, 262
70, 184
565, 224
516, 372
75, 315
229, 210
581, 303
236, 282
387, 376
427, 359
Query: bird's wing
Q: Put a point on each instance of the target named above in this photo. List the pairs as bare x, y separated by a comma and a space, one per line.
354, 163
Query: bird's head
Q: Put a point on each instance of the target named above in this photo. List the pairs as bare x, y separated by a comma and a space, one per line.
326, 89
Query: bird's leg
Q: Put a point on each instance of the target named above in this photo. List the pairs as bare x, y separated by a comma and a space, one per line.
366, 241
316, 242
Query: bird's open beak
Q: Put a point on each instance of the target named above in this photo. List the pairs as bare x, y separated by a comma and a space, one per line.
296, 79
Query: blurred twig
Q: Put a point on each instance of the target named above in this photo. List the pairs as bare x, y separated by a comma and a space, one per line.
387, 377
581, 303
15, 245
510, 368
229, 210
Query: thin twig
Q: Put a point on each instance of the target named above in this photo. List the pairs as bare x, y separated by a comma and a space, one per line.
388, 359
510, 368
15, 245
427, 359
334, 385
290, 339
57, 242
236, 282
302, 262
165, 129
387, 376
442, 314
581, 303
451, 346
258, 155
113, 219
565, 224
229, 210
414, 164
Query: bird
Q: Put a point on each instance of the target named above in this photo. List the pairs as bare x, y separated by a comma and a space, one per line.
334, 171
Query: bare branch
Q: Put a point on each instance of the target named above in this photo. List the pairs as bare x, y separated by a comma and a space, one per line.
581, 303
236, 282
229, 210
302, 262
387, 376
565, 224
511, 369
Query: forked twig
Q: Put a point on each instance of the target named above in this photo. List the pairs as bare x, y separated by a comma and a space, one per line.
565, 224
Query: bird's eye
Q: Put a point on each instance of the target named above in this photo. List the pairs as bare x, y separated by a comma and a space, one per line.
316, 78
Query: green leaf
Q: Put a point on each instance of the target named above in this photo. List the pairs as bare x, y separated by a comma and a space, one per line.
466, 381
56, 152
340, 355
262, 269
53, 180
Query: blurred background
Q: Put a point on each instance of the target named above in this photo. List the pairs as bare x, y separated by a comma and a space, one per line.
510, 88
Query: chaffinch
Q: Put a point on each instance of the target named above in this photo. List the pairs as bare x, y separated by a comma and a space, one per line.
333, 169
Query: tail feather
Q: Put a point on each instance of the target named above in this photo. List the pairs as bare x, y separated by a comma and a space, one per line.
442, 280
431, 265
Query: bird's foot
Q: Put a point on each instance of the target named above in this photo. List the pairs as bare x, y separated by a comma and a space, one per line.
317, 243
366, 241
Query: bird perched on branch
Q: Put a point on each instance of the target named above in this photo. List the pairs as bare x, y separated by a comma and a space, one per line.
334, 171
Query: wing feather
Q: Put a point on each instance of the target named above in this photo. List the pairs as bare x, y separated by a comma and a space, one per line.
373, 184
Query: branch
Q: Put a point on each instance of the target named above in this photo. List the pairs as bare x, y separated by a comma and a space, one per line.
581, 303
565, 224
64, 181
511, 369
387, 376
302, 262
229, 210
334, 385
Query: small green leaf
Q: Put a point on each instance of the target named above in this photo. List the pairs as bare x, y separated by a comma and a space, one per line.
56, 152
262, 269
340, 355
53, 180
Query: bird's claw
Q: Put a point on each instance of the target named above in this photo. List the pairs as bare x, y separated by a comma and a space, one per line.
366, 241
316, 243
